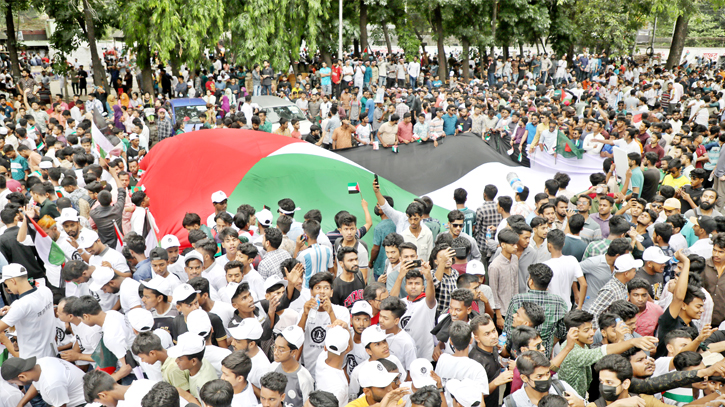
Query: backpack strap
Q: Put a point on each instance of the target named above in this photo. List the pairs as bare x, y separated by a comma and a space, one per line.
558, 386
509, 401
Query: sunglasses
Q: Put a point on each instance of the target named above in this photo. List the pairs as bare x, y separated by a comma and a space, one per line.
457, 225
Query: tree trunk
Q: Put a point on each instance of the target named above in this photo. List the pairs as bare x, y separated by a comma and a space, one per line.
386, 34
538, 50
521, 48
326, 56
12, 41
356, 46
678, 41
438, 27
175, 64
143, 61
505, 53
464, 58
493, 29
570, 55
482, 58
363, 25
99, 74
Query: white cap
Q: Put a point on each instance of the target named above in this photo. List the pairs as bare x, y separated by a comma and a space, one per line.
44, 165
218, 196
67, 215
87, 238
198, 322
169, 241
362, 307
248, 328
420, 373
159, 284
337, 340
466, 392
182, 292
476, 268
100, 277
274, 280
187, 344
3, 130
373, 334
264, 217
374, 374
294, 335
165, 336
133, 136
193, 255
13, 270
141, 319
626, 262
655, 254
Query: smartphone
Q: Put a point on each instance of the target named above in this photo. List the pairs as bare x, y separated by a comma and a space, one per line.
376, 179
416, 263
304, 237
460, 252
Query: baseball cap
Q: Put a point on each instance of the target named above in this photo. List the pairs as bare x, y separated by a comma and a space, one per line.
100, 277
476, 268
274, 280
141, 319
466, 392
373, 334
169, 241
337, 339
182, 292
362, 307
158, 253
187, 344
44, 165
264, 217
13, 270
133, 136
87, 238
705, 222
294, 335
655, 254
420, 373
248, 328
199, 323
218, 196
159, 284
193, 255
3, 130
67, 215
374, 374
672, 203
626, 262
12, 367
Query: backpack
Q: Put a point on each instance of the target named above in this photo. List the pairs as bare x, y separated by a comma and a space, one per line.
509, 401
338, 243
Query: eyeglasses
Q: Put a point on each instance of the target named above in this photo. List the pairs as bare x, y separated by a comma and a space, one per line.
457, 225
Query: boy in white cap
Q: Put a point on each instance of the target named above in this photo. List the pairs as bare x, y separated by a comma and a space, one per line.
175, 261
159, 259
102, 255
199, 323
361, 314
329, 364
246, 337
106, 280
186, 298
651, 271
86, 337
31, 314
625, 268
422, 375
147, 347
189, 353
219, 200
79, 273
299, 381
464, 393
376, 383
375, 341
235, 370
156, 297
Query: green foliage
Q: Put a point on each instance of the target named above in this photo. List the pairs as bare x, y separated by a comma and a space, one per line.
70, 29
407, 40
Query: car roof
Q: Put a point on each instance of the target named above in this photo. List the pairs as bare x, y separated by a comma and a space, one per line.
270, 101
187, 102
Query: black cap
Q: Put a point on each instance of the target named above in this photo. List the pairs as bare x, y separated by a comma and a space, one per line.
12, 367
158, 253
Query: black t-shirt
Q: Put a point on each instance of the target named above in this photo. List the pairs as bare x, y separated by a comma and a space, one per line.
657, 281
178, 327
695, 195
668, 324
347, 293
489, 361
651, 182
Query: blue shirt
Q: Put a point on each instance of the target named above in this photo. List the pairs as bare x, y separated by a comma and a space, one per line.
449, 124
636, 180
18, 166
382, 229
531, 133
437, 84
326, 80
143, 271
370, 109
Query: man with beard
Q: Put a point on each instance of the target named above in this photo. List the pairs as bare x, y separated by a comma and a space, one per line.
106, 280
706, 206
347, 288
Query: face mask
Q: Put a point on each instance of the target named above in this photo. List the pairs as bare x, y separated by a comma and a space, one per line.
542, 386
609, 393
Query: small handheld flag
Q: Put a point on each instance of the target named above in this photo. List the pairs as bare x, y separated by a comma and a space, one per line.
353, 188
395, 149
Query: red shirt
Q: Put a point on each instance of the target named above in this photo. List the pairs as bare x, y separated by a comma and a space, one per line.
336, 74
700, 151
657, 150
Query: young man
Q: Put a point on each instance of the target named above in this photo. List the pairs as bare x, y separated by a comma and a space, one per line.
361, 314
102, 255
330, 363
568, 277
159, 258
235, 370
58, 382
299, 380
459, 365
315, 257
186, 299
189, 354
419, 318
625, 268
375, 342
469, 216
273, 392
100, 387
401, 343
349, 238
106, 280
503, 274
147, 346
376, 382
246, 338
347, 288
485, 352
649, 312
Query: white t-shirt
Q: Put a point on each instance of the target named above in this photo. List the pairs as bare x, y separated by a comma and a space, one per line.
246, 398
452, 367
136, 392
316, 332
403, 347
260, 367
662, 365
335, 381
60, 382
117, 334
216, 276
566, 271
10, 395
118, 262
107, 301
128, 292
224, 311
34, 321
418, 321
215, 355
355, 357
87, 337
170, 278
256, 283
177, 269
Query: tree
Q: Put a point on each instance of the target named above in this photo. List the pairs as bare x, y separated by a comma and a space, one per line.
12, 6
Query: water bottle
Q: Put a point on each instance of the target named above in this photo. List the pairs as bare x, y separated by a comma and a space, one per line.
313, 312
489, 234
502, 340
515, 182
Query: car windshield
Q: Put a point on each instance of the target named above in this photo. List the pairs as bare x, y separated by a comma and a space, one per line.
192, 112
288, 112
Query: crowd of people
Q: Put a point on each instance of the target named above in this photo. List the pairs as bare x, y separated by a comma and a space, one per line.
607, 296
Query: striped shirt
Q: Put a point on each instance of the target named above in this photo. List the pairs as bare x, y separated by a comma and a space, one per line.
316, 259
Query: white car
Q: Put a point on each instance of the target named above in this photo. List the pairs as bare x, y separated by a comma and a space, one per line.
276, 107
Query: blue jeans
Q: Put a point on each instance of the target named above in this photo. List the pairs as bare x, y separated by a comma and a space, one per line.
491, 79
327, 90
266, 89
382, 80
413, 81
37, 401
257, 90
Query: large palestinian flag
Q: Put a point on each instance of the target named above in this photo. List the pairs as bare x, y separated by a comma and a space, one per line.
181, 173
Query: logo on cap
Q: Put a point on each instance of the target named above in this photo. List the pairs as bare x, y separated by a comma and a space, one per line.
169, 240
290, 328
380, 367
423, 370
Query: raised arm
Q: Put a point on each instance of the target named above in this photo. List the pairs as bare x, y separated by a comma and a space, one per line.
678, 295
